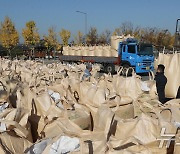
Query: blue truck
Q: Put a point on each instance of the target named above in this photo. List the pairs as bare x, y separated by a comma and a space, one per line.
131, 53
137, 55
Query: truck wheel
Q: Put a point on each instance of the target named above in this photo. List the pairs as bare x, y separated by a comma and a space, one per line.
125, 67
110, 69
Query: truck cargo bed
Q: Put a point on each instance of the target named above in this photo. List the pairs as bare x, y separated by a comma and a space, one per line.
92, 59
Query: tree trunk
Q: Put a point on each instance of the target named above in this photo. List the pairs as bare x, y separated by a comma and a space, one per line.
9, 53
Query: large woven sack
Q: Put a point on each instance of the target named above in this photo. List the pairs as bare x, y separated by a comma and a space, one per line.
25, 98
130, 128
13, 144
85, 51
84, 87
151, 85
65, 52
96, 141
42, 103
98, 52
167, 59
160, 59
174, 106
117, 78
93, 142
177, 141
80, 117
58, 88
59, 144
130, 86
16, 120
131, 148
115, 41
173, 82
72, 51
77, 52
90, 91
107, 52
125, 111
62, 125
137, 137
91, 52
155, 63
114, 53
96, 96
103, 120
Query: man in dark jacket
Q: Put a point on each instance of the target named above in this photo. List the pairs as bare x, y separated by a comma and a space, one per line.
161, 81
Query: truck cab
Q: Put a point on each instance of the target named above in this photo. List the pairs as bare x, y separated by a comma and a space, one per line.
137, 55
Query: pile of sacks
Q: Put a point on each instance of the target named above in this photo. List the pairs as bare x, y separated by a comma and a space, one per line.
101, 51
172, 72
105, 51
49, 109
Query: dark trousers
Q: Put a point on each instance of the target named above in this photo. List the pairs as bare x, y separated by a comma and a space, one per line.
161, 95
178, 93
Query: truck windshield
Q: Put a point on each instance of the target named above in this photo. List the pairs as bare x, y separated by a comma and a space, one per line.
145, 49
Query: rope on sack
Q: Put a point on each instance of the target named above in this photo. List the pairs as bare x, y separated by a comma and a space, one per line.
76, 96
4, 87
151, 74
119, 70
164, 50
155, 111
127, 71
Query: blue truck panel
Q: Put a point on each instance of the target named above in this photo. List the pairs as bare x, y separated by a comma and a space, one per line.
138, 56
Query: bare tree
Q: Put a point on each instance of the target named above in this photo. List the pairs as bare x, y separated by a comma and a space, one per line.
126, 28
102, 38
108, 35
117, 32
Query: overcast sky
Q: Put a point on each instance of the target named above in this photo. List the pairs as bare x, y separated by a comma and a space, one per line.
103, 14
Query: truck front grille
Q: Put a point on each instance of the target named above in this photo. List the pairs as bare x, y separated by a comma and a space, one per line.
146, 62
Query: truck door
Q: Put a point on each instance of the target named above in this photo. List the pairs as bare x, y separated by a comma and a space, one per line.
129, 54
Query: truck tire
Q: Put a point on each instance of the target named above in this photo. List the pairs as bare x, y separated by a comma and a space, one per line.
125, 67
110, 68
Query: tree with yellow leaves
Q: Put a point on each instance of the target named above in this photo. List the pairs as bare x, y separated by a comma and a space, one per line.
9, 36
51, 41
30, 34
65, 35
78, 38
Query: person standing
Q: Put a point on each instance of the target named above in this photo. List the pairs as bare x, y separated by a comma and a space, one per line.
161, 81
87, 71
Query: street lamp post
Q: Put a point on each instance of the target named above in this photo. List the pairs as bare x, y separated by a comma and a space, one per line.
85, 20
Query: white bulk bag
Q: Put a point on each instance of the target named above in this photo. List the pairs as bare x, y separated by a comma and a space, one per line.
130, 86
173, 77
114, 53
98, 52
106, 52
91, 52
71, 51
115, 41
